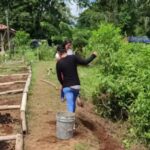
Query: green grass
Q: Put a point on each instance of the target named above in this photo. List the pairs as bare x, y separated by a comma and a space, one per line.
82, 146
90, 78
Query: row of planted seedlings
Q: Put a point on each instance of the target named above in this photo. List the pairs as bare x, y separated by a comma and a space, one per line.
14, 85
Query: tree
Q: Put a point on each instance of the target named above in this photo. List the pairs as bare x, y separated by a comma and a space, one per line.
132, 16
40, 18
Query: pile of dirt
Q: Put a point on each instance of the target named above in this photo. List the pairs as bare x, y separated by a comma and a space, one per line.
6, 146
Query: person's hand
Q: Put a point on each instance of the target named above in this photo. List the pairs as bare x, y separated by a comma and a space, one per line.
95, 53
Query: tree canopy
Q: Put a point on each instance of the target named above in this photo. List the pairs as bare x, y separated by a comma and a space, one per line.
40, 18
131, 15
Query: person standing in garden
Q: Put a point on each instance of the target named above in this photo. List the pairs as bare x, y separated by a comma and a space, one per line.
67, 45
67, 75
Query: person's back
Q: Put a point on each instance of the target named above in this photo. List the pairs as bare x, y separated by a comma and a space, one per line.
67, 75
68, 66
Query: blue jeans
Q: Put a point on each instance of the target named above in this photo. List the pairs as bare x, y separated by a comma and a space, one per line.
62, 96
71, 96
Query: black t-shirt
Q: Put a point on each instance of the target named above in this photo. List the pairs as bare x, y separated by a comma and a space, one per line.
67, 69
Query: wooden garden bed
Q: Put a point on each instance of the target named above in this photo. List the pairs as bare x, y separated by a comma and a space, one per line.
13, 98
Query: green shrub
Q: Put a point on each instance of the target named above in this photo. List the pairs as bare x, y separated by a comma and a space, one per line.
29, 56
106, 40
80, 39
3, 58
125, 69
44, 52
140, 115
123, 84
123, 90
21, 38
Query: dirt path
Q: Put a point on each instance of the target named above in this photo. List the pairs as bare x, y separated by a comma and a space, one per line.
44, 103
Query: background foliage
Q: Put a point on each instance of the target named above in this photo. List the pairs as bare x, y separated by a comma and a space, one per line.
124, 70
119, 80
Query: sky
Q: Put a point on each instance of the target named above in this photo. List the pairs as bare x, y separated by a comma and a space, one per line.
75, 9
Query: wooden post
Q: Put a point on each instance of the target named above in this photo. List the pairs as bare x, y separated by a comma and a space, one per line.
22, 111
19, 142
11, 91
12, 67
24, 124
7, 137
9, 83
24, 103
27, 84
2, 44
10, 75
7, 107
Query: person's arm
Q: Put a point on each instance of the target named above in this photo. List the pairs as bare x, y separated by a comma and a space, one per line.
86, 61
59, 74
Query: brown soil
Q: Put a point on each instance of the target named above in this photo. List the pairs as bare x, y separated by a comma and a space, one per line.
6, 69
11, 99
7, 145
12, 78
15, 86
92, 133
10, 122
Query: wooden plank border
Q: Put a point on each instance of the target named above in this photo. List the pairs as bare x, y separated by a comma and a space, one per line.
10, 83
10, 75
11, 92
7, 107
24, 102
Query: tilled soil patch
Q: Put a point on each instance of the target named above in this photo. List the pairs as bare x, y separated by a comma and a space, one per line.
10, 122
12, 70
4, 79
11, 99
7, 145
15, 86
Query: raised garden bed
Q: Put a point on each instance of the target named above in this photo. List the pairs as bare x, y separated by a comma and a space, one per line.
14, 83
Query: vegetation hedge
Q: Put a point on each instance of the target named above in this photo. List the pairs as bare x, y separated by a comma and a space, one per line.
123, 91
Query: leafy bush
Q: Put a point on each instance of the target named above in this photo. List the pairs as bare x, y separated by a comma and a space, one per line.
123, 90
21, 38
80, 39
107, 41
140, 115
44, 52
4, 58
30, 56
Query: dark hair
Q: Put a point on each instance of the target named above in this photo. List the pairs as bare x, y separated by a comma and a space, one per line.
66, 42
60, 49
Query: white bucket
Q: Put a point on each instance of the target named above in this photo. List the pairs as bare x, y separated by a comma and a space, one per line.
64, 125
